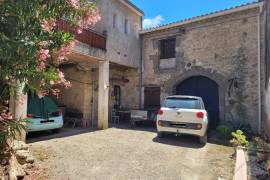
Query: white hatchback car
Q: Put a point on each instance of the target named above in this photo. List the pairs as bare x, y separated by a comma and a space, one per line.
183, 115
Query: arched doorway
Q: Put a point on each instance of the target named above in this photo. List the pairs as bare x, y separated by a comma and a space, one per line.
207, 89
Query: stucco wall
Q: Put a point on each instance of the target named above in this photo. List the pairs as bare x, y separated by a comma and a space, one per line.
222, 48
84, 92
121, 48
129, 90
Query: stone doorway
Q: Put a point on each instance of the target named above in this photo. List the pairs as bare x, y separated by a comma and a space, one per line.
207, 89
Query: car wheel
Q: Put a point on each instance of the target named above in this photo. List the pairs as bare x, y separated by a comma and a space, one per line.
203, 139
160, 134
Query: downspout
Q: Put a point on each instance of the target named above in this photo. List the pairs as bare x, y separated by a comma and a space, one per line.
259, 72
93, 99
141, 73
141, 68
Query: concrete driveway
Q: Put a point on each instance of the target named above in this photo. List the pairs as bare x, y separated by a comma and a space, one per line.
125, 154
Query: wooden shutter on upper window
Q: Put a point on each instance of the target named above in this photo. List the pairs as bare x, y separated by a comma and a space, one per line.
167, 48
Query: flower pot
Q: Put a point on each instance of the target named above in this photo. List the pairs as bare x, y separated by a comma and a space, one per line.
262, 156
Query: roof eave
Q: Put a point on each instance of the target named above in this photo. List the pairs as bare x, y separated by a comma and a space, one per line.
203, 17
132, 7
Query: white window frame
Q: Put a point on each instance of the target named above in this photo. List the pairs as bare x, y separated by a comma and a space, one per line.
115, 21
126, 26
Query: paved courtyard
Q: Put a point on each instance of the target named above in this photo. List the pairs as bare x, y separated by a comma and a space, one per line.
118, 153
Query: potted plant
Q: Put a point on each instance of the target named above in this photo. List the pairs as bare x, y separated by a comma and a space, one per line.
262, 149
239, 140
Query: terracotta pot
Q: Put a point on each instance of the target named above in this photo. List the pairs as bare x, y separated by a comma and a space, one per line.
262, 156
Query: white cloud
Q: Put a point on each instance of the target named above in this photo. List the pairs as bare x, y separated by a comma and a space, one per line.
152, 22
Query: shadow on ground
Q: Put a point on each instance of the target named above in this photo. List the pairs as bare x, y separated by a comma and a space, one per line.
182, 140
140, 126
64, 132
170, 139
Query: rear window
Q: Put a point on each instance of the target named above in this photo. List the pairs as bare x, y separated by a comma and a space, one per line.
185, 103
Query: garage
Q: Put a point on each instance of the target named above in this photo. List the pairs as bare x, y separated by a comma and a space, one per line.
207, 89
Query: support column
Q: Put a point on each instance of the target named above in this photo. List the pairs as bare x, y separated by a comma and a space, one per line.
18, 107
103, 95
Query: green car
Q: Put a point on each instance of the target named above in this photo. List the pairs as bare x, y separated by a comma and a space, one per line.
43, 114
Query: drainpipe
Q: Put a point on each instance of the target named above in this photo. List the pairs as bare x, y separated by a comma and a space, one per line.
259, 73
141, 69
141, 72
93, 99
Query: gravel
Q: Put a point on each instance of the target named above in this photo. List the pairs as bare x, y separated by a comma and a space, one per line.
119, 153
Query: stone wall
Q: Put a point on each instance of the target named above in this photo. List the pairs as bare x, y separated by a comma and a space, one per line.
223, 48
266, 95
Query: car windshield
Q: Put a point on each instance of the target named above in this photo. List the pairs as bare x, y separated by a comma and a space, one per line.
185, 103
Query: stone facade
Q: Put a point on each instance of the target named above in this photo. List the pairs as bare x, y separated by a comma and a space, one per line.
223, 48
266, 55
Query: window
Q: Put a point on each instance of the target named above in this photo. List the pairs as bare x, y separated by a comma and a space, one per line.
126, 26
184, 103
167, 48
136, 30
115, 20
117, 95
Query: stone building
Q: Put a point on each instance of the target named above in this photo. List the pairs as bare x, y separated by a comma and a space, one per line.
266, 85
216, 56
222, 56
104, 66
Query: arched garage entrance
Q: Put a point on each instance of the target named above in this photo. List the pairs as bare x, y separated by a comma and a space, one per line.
207, 89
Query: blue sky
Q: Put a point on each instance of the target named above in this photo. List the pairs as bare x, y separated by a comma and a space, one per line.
158, 12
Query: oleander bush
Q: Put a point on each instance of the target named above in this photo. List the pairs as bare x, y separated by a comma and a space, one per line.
32, 48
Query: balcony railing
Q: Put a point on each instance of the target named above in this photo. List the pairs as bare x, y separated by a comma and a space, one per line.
87, 36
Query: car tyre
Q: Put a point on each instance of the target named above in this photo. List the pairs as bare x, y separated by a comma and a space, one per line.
203, 139
160, 134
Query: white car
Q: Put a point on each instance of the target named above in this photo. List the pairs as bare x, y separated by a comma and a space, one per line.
183, 115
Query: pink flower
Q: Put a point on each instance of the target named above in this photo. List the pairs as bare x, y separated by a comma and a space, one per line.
52, 82
61, 75
41, 93
74, 3
79, 30
56, 92
89, 18
44, 54
41, 66
6, 116
48, 25
67, 84
62, 80
64, 51
42, 83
